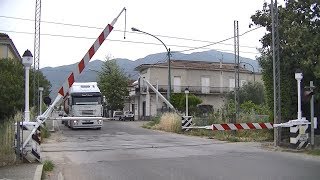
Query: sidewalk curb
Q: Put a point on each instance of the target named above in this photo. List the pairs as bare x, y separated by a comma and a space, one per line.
38, 173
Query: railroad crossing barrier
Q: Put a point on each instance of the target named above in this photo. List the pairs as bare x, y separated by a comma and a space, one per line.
31, 151
233, 126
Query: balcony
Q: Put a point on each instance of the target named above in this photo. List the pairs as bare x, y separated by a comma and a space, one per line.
180, 89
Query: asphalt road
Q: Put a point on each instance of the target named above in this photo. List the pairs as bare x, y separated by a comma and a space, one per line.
125, 151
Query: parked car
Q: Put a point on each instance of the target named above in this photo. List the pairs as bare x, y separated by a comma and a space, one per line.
128, 115
118, 115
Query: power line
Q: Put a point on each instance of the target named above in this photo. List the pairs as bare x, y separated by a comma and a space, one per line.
127, 41
201, 47
93, 27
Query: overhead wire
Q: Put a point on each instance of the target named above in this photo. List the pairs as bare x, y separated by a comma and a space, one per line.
201, 47
94, 27
126, 41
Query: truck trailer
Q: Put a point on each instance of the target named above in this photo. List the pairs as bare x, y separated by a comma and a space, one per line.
84, 101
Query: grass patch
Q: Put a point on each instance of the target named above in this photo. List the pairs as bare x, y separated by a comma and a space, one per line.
239, 136
45, 133
48, 165
314, 152
153, 122
200, 132
169, 122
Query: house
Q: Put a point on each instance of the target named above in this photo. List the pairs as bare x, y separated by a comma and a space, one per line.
7, 48
210, 81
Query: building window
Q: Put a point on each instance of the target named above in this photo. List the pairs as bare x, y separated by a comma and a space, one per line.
177, 84
205, 85
231, 84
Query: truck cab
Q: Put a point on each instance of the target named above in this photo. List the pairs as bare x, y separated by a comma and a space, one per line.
84, 100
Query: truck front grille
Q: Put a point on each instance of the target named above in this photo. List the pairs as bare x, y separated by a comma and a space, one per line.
87, 112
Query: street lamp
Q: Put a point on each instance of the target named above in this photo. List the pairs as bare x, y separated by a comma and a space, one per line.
298, 76
186, 91
168, 53
27, 60
253, 71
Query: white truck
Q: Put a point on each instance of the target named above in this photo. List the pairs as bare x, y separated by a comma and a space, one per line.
84, 100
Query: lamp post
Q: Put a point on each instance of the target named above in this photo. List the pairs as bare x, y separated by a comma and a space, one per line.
169, 64
186, 91
298, 76
27, 60
253, 71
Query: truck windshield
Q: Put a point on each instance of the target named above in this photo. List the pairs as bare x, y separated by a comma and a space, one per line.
86, 100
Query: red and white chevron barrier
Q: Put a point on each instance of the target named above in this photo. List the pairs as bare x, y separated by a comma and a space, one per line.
87, 57
233, 126
239, 126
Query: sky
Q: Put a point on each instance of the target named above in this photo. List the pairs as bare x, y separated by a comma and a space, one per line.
205, 20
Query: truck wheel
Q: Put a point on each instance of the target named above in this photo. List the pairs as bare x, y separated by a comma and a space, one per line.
99, 128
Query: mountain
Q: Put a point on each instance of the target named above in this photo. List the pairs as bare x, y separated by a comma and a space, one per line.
57, 75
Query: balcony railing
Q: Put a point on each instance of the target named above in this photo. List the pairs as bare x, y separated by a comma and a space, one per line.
181, 89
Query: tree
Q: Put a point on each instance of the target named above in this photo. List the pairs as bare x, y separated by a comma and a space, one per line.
178, 100
12, 86
251, 91
113, 84
299, 27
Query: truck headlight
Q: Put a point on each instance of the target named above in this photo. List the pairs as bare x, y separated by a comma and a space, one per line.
75, 122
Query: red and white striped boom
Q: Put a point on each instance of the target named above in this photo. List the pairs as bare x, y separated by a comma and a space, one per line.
87, 57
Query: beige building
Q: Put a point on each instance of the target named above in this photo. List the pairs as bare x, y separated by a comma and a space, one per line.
208, 80
7, 48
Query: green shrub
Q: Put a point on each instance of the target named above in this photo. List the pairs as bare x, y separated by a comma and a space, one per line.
48, 165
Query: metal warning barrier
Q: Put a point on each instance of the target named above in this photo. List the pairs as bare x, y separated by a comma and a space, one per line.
298, 136
31, 151
186, 122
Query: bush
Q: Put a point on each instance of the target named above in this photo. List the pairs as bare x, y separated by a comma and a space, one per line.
48, 165
178, 100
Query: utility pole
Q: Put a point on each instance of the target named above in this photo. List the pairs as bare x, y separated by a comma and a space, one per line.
236, 70
311, 88
276, 72
36, 53
312, 114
